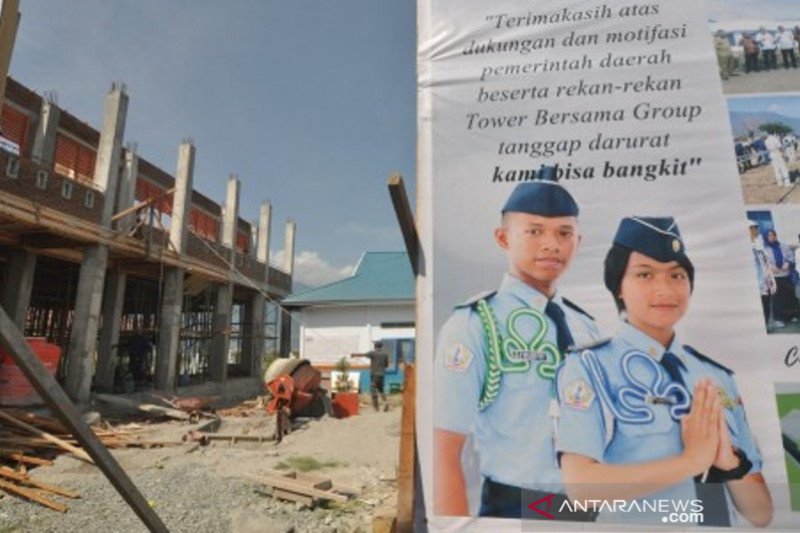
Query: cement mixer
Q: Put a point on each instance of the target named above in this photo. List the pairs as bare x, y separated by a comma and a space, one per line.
294, 387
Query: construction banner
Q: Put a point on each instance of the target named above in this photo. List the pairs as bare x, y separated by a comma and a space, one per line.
609, 305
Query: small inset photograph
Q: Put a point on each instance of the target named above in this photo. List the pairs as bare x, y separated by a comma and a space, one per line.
788, 398
765, 140
756, 45
775, 243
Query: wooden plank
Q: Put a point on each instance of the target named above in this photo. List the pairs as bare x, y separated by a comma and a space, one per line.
308, 501
74, 450
25, 459
280, 482
408, 451
14, 343
33, 496
25, 480
405, 218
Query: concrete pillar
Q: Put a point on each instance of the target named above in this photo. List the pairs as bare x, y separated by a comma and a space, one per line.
113, 300
16, 295
44, 139
91, 280
114, 295
221, 323
127, 189
264, 229
172, 295
109, 151
288, 247
254, 326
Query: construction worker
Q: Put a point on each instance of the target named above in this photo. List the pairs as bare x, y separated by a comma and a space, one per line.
378, 362
497, 357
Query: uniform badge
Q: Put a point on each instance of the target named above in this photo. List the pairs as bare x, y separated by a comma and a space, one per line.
727, 401
676, 246
578, 395
458, 358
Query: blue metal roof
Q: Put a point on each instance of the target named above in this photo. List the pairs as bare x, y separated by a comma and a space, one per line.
379, 276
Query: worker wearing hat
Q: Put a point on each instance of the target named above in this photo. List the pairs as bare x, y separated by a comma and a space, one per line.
496, 360
645, 417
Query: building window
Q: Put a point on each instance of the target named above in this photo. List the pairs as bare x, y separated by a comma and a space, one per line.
88, 200
12, 167
41, 179
66, 189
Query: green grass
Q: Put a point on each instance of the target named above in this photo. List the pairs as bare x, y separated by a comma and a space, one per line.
305, 463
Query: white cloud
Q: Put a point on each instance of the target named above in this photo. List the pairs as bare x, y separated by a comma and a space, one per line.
311, 269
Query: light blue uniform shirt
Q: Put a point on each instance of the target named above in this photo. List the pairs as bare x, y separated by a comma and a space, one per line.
613, 409
514, 433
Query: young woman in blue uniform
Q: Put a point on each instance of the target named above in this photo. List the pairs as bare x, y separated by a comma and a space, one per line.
645, 417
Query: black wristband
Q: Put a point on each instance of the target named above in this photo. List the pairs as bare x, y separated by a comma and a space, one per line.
716, 475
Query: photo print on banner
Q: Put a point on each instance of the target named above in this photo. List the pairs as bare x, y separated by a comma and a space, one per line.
586, 288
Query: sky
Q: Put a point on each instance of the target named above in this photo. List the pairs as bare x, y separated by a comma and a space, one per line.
783, 105
751, 9
312, 103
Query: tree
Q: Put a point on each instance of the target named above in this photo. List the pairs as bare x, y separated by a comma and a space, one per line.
775, 127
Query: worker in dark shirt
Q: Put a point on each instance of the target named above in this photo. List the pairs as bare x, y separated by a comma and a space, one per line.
378, 361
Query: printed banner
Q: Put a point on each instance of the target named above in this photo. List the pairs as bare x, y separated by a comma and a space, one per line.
608, 278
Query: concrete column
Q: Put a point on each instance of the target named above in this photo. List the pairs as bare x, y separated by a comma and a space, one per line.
16, 294
114, 295
230, 219
91, 280
44, 140
172, 300
288, 247
127, 189
109, 151
253, 335
264, 229
113, 300
221, 323
254, 326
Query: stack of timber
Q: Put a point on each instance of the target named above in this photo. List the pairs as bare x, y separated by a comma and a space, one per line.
29, 440
305, 489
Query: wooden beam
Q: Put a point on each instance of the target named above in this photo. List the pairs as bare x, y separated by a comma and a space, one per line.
74, 450
25, 480
397, 190
49, 240
32, 496
408, 452
15, 345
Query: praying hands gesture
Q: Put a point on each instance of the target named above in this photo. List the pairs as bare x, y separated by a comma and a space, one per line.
700, 430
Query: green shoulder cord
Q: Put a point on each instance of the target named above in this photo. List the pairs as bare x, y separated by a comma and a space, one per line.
491, 384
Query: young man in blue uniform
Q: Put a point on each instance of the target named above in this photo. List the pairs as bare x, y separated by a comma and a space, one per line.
645, 417
497, 357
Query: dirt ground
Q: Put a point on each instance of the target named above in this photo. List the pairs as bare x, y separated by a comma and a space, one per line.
779, 80
759, 186
216, 488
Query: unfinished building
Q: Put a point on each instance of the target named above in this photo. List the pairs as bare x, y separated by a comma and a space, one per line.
98, 246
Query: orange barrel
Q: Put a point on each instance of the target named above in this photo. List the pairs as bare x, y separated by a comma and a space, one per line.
15, 389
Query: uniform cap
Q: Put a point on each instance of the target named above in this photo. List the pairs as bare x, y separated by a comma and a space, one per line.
655, 237
545, 198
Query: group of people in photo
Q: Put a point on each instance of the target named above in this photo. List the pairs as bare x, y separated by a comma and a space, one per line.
759, 50
779, 151
776, 265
